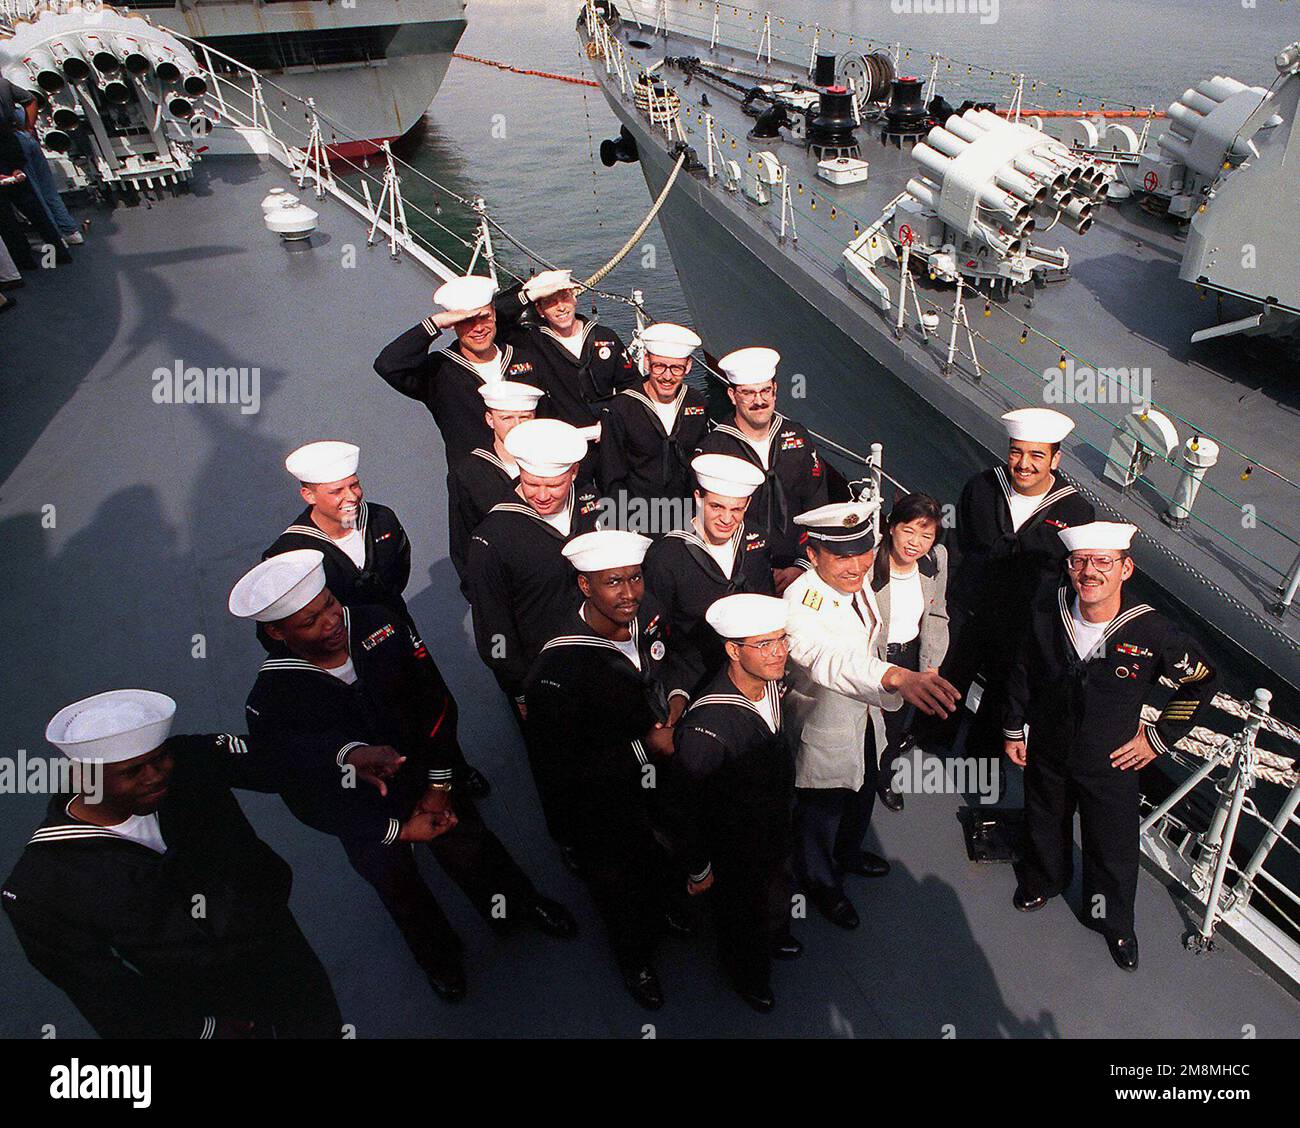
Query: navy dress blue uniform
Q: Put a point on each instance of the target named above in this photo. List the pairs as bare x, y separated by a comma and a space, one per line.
733, 791
1000, 573
589, 710
639, 457
476, 483
398, 699
795, 481
686, 580
111, 921
1078, 711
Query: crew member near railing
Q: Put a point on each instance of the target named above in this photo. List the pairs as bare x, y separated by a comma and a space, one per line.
794, 474
1073, 722
1008, 519
447, 380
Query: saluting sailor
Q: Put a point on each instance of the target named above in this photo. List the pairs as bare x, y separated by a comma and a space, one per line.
603, 697
488, 474
104, 896
367, 555
1074, 722
838, 688
1008, 521
583, 363
794, 477
447, 380
719, 554
733, 791
360, 676
649, 431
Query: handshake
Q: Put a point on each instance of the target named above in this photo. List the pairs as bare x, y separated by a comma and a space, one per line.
433, 814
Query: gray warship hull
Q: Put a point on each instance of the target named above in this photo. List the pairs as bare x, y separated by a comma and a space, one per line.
862, 384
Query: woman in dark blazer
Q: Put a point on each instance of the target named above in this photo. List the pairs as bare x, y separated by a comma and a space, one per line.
910, 579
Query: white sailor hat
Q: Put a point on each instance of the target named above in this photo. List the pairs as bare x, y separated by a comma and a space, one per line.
606, 548
468, 293
1098, 535
675, 342
1037, 425
326, 461
844, 528
727, 475
279, 586
505, 395
548, 282
112, 727
546, 447
750, 366
746, 615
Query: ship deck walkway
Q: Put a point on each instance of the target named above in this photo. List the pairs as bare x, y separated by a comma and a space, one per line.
126, 522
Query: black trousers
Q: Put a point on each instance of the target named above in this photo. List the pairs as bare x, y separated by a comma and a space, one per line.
23, 197
1107, 802
550, 786
831, 822
473, 857
630, 881
898, 722
751, 911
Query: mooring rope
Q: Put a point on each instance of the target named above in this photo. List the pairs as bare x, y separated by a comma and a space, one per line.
641, 230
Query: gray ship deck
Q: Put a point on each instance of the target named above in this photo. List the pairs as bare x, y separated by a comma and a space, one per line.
1123, 306
158, 509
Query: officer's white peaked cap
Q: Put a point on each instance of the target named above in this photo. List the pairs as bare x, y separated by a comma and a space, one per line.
546, 447
470, 292
1098, 535
726, 475
844, 528
112, 727
505, 395
666, 339
326, 461
750, 366
549, 282
746, 615
1037, 425
279, 586
606, 548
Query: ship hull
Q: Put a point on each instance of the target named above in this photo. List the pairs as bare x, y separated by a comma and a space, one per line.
863, 387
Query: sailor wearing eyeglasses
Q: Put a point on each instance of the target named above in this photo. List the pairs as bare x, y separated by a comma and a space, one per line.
794, 477
838, 688
1073, 722
649, 432
732, 791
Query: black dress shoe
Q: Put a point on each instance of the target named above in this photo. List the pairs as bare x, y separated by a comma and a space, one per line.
552, 918
787, 948
891, 799
448, 983
474, 782
643, 985
836, 908
1025, 903
572, 863
865, 864
762, 999
1124, 951
679, 923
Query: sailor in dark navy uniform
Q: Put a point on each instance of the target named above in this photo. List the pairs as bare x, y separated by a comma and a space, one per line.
794, 477
366, 552
689, 569
650, 431
447, 380
1008, 521
1073, 720
733, 789
146, 896
488, 474
583, 363
349, 676
602, 699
